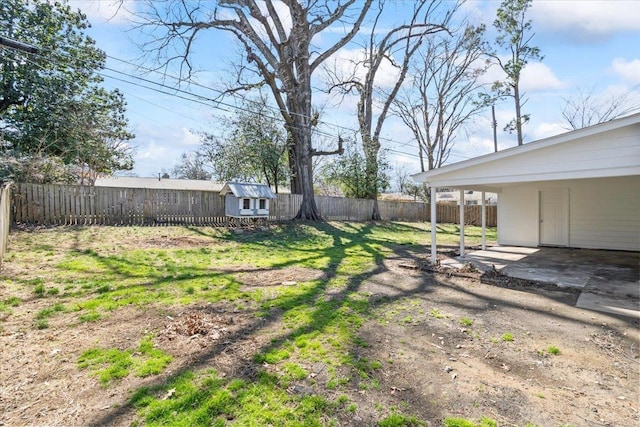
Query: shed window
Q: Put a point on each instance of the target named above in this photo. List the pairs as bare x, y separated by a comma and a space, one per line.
263, 204
246, 203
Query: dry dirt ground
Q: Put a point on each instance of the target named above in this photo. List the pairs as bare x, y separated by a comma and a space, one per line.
434, 365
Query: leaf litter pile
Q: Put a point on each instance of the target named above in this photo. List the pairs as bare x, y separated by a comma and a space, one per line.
196, 324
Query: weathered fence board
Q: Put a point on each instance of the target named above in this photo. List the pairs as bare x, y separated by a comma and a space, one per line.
81, 205
5, 217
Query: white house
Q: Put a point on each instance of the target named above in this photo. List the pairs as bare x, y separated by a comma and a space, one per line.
580, 189
471, 197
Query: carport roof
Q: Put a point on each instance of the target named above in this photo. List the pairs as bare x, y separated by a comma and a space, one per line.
607, 149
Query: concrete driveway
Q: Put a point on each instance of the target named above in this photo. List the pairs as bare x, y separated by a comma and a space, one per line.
609, 280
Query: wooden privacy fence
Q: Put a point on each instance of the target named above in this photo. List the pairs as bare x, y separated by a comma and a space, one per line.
5, 217
52, 204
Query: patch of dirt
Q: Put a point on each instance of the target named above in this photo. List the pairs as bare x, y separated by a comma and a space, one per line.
440, 365
433, 363
42, 385
281, 276
174, 242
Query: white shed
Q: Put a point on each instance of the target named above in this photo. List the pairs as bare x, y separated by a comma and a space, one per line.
579, 189
246, 200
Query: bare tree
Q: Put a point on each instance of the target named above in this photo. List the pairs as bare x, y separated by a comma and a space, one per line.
396, 47
191, 166
278, 41
402, 176
514, 36
587, 108
443, 95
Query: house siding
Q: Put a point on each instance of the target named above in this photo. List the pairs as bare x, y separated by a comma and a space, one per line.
231, 205
604, 213
518, 216
612, 153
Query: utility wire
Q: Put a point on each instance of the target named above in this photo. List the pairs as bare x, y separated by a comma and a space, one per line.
248, 100
205, 100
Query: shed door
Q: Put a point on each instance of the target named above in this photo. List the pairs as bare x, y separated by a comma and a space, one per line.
554, 217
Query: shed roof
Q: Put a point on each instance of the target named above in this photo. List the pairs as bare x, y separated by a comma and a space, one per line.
243, 189
604, 150
160, 184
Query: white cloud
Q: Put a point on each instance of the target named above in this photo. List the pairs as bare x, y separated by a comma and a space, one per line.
189, 138
493, 73
628, 70
349, 62
160, 147
282, 12
537, 76
545, 130
587, 19
105, 11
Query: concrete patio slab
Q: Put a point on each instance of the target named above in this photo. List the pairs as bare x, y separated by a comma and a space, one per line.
610, 280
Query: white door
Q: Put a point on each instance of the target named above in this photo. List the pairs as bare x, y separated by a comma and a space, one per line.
554, 217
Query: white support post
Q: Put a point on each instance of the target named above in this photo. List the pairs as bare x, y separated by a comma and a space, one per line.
461, 222
434, 246
484, 223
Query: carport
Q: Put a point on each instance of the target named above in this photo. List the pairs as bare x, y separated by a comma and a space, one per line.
578, 189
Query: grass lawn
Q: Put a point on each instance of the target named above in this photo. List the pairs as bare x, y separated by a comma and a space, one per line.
85, 276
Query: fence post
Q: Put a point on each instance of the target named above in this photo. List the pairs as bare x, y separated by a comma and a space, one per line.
5, 217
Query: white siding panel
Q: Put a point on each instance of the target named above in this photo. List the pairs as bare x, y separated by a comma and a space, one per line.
518, 215
608, 154
605, 213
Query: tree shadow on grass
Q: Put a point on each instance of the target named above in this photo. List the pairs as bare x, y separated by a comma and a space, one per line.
336, 300
326, 304
324, 309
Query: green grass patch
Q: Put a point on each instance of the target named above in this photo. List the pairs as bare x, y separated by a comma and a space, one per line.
553, 350
110, 364
437, 314
507, 337
50, 311
208, 399
463, 422
8, 303
466, 322
40, 290
92, 316
107, 268
13, 301
41, 324
399, 420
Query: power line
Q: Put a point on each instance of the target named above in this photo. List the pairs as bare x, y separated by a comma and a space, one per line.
14, 44
245, 99
205, 100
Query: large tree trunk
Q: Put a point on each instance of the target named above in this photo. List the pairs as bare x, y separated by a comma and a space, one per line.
299, 103
294, 176
308, 208
516, 97
304, 173
371, 150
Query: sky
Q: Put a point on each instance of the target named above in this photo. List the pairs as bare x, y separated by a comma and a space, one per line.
590, 46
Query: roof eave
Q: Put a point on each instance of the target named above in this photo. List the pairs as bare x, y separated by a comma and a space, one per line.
531, 146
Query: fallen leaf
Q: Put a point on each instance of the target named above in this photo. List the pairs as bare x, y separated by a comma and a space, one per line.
169, 394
